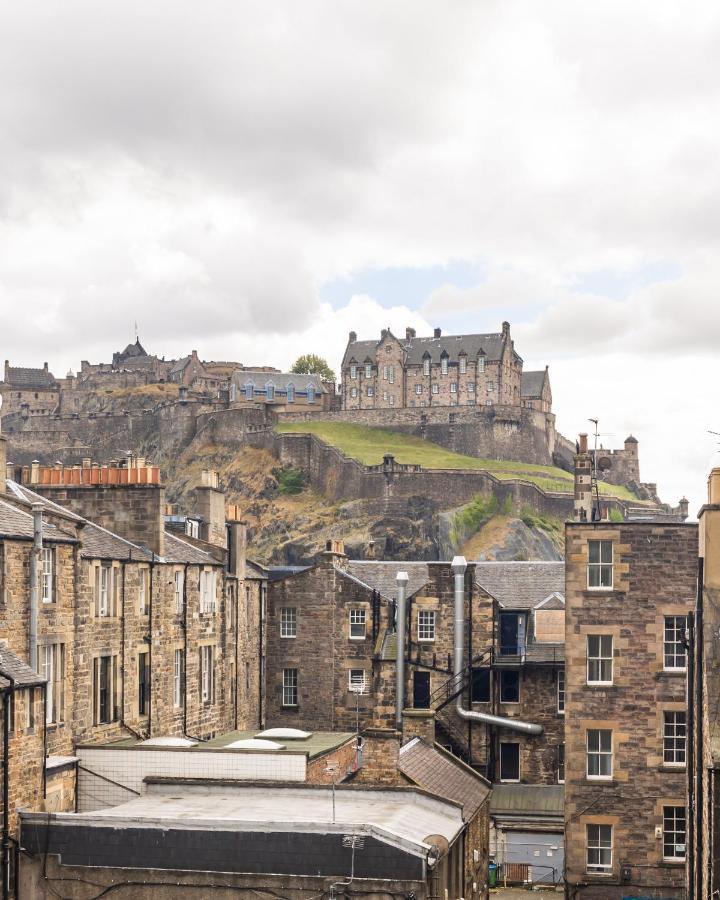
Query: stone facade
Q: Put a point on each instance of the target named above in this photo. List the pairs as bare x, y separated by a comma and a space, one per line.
31, 392
632, 585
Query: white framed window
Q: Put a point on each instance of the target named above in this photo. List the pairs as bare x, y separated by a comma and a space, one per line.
358, 682
490, 387
599, 848
510, 761
47, 560
357, 624
418, 389
426, 625
444, 365
353, 371
488, 403
179, 679
52, 669
599, 753
561, 763
143, 591
561, 691
290, 687
391, 374
674, 654
233, 392
674, 833
453, 387
288, 622
435, 388
481, 364
179, 591
104, 590
599, 659
471, 387
463, 364
392, 399
600, 565
385, 395
353, 392
207, 673
370, 391
426, 366
368, 370
207, 591
674, 737
386, 372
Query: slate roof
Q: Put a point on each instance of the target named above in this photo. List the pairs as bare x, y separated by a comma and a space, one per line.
531, 383
180, 365
16, 523
280, 380
30, 378
544, 652
438, 772
254, 570
520, 585
19, 671
179, 551
380, 575
491, 345
523, 799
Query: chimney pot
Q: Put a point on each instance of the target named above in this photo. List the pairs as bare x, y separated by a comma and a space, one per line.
583, 443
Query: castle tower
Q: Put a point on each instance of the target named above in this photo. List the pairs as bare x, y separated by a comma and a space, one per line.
632, 461
583, 481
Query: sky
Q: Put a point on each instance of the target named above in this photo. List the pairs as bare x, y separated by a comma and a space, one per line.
255, 180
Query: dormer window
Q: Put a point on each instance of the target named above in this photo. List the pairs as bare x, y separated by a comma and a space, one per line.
310, 393
368, 370
353, 371
444, 364
426, 365
463, 364
291, 393
481, 364
269, 391
249, 390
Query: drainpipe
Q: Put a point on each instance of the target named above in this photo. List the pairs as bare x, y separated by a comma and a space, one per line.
401, 580
459, 565
37, 511
7, 700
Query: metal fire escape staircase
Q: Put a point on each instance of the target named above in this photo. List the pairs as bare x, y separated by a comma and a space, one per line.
451, 729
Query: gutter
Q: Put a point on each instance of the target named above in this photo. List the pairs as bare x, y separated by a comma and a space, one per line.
35, 555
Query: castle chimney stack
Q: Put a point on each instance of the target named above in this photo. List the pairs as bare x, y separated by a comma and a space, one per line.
437, 333
506, 328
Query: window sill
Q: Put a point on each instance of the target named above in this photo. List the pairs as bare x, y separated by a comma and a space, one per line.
675, 863
363, 638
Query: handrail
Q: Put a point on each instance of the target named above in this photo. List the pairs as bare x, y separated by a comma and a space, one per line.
456, 684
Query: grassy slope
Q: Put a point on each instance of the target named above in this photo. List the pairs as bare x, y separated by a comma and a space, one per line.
368, 445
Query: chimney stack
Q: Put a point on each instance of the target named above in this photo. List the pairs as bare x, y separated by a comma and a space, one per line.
583, 504
353, 337
437, 333
506, 328
409, 334
210, 506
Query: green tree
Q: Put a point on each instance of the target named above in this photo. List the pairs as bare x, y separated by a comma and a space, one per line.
310, 364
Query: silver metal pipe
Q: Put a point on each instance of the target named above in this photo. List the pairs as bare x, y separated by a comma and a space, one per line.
35, 555
401, 580
459, 566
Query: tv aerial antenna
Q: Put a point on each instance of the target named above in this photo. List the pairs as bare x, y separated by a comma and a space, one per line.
594, 488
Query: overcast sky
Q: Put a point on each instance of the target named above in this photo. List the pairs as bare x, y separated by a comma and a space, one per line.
253, 180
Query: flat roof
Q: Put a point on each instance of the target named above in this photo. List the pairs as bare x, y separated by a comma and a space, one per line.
319, 743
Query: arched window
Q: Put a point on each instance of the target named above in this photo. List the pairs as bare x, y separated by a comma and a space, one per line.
291, 393
444, 364
311, 393
269, 391
249, 390
426, 365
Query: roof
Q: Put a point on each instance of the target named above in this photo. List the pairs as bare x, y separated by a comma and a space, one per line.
131, 350
523, 799
544, 652
280, 380
404, 816
180, 365
472, 345
20, 672
254, 570
16, 523
439, 772
520, 585
381, 576
179, 551
532, 383
277, 573
30, 378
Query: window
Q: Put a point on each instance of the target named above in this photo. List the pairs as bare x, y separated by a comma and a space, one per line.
385, 395
269, 391
104, 684
357, 681
391, 374
392, 399
426, 625
310, 393
207, 591
599, 753
357, 624
104, 589
353, 392
599, 659
674, 645
179, 679
481, 364
561, 763
435, 388
233, 392
509, 686
418, 389
674, 832
288, 622
453, 387
353, 371
249, 390
179, 591
444, 365
561, 691
386, 370
47, 560
488, 403
490, 387
143, 684
510, 762
600, 565
371, 391
143, 591
674, 737
290, 687
480, 686
599, 848
368, 370
426, 366
207, 674
471, 387
52, 669
463, 365
30, 709
291, 393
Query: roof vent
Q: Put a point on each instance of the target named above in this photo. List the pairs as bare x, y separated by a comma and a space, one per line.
288, 734
169, 742
253, 744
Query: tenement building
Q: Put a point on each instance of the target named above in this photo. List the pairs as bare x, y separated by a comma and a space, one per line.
452, 370
629, 588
